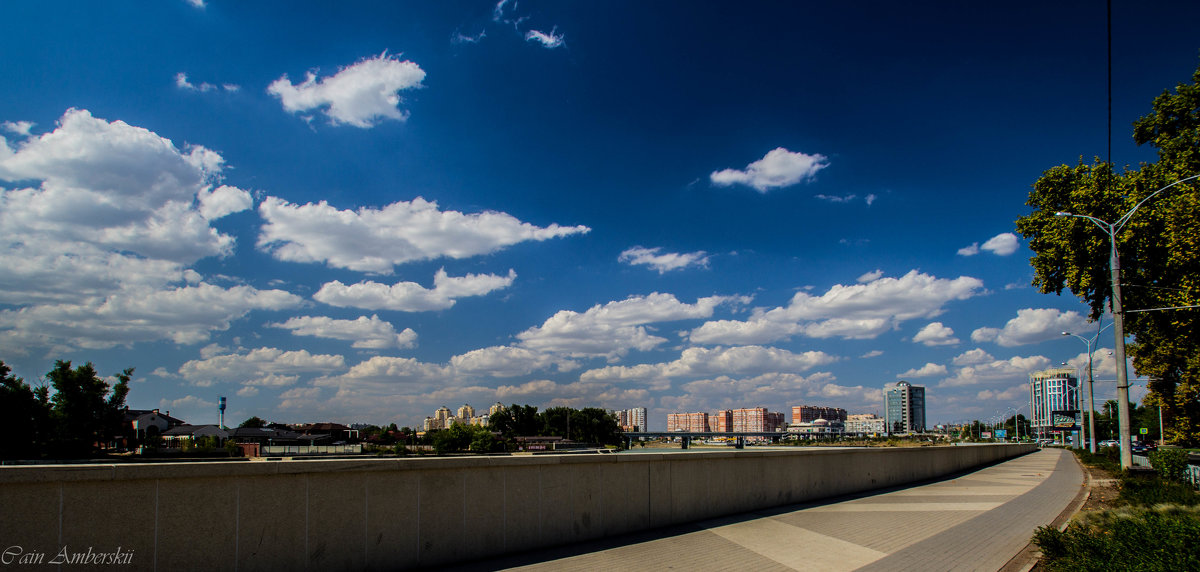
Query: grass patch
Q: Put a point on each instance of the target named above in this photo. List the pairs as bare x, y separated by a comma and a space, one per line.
1152, 539
1155, 529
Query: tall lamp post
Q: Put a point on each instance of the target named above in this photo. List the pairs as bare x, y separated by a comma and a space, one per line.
1114, 265
1091, 402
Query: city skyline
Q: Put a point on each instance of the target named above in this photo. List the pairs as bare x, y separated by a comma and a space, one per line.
361, 213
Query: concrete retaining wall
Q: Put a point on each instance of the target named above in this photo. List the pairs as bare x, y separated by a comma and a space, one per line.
399, 513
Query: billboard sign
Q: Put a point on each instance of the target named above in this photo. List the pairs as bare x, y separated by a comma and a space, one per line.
1064, 419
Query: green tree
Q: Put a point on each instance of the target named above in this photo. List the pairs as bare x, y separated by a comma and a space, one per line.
1159, 249
24, 414
254, 422
83, 413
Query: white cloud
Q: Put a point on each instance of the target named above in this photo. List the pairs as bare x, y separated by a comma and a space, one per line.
386, 377
870, 199
859, 311
263, 367
21, 128
665, 261
836, 198
548, 40
614, 328
935, 334
1014, 370
222, 201
872, 353
741, 360
181, 81
927, 370
973, 357
358, 95
367, 333
460, 38
375, 240
506, 361
870, 276
185, 315
1002, 244
196, 3
779, 168
410, 296
1032, 326
96, 255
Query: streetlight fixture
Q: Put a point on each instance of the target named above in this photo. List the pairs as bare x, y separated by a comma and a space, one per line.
1091, 398
1114, 265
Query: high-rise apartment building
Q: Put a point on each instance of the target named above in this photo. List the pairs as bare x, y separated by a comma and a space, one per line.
810, 413
631, 420
757, 420
904, 407
1053, 391
466, 412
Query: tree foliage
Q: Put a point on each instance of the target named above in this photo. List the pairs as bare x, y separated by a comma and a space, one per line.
1159, 249
587, 425
84, 414
254, 422
24, 414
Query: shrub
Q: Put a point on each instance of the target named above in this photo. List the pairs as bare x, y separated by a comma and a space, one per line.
1171, 464
1128, 539
1150, 491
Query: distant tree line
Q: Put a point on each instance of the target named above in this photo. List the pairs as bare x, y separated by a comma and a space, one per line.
590, 425
84, 413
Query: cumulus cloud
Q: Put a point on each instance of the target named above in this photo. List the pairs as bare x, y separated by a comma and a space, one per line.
185, 315
222, 201
870, 276
935, 334
410, 296
859, 311
97, 254
375, 240
263, 367
506, 361
364, 332
1032, 326
361, 94
663, 261
973, 357
1002, 244
742, 360
548, 40
614, 328
1015, 370
779, 168
927, 370
21, 128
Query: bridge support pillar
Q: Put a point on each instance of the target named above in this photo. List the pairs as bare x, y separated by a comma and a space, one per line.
740, 443
685, 441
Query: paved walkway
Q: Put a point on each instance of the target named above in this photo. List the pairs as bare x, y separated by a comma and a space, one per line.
977, 521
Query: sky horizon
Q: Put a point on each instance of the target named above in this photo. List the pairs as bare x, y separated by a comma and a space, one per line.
364, 212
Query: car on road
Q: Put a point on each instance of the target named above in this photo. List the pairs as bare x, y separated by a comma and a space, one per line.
1109, 443
1142, 448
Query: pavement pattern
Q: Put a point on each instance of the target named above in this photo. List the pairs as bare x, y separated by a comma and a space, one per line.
981, 520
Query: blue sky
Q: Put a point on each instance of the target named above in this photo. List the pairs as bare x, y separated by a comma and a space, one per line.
363, 212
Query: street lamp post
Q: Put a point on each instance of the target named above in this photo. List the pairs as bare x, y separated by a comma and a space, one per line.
1091, 402
1114, 264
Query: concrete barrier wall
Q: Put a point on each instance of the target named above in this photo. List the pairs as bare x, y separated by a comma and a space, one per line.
415, 512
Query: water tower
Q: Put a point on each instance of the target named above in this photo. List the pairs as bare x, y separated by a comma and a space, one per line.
222, 408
